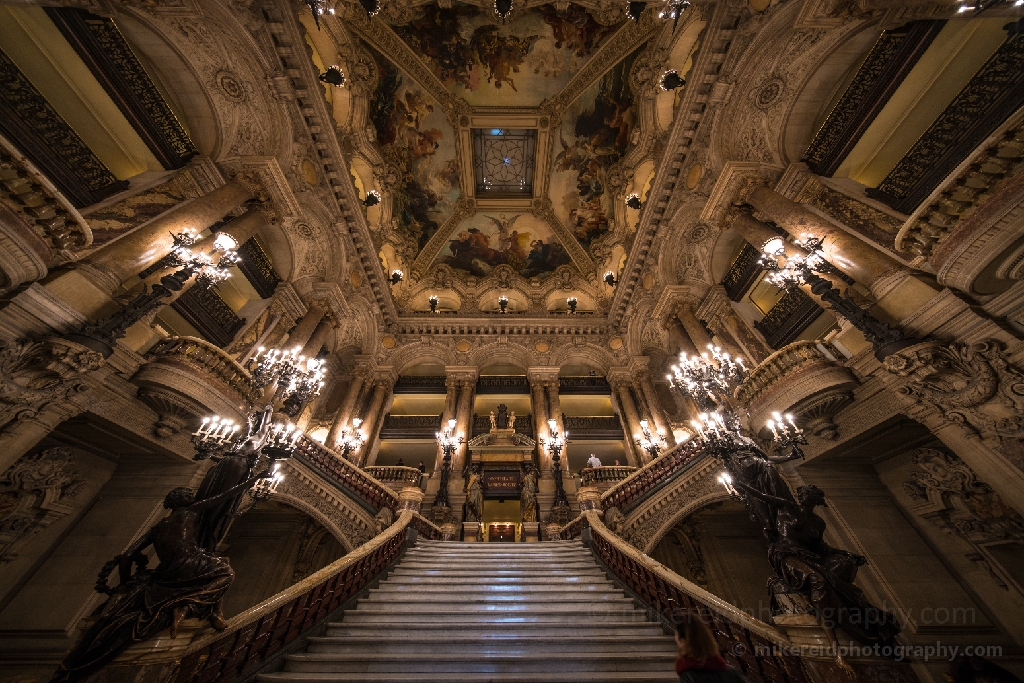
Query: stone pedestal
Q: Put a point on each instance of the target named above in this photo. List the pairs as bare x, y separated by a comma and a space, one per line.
530, 532
410, 498
588, 498
551, 532
450, 531
471, 532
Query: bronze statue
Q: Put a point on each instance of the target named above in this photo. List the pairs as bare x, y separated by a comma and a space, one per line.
188, 582
474, 495
232, 468
528, 497
805, 564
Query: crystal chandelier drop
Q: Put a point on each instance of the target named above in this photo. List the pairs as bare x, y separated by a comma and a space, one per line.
298, 378
708, 380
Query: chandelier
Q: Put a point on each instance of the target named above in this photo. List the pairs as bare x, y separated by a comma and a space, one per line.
298, 378
652, 442
708, 380
351, 438
556, 443
449, 441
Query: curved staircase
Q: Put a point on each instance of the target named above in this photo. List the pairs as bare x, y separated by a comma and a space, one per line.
541, 612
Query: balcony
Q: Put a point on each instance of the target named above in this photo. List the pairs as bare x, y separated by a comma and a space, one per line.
593, 428
410, 426
188, 378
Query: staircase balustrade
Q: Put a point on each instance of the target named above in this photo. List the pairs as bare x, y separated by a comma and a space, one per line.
254, 636
593, 475
573, 529
757, 649
339, 471
644, 481
409, 476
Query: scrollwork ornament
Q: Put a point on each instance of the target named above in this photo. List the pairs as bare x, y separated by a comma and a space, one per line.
971, 384
36, 373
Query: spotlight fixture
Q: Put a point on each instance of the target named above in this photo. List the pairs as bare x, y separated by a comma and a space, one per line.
609, 279
503, 8
571, 302
670, 80
633, 201
372, 199
396, 277
333, 76
503, 303
372, 7
433, 303
634, 10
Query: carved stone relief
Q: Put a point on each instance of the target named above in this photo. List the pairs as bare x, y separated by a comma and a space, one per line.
36, 491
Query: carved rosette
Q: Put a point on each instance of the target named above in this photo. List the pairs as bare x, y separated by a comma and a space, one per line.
970, 384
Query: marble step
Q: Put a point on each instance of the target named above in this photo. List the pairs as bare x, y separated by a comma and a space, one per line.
462, 595
537, 606
463, 644
547, 677
442, 663
500, 630
439, 617
489, 586
470, 573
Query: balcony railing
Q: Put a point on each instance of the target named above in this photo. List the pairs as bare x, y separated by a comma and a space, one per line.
410, 426
393, 474
501, 384
254, 636
637, 486
362, 486
589, 476
584, 385
524, 424
582, 428
788, 318
425, 384
206, 310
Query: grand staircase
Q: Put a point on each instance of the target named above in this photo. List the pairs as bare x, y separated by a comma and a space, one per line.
479, 612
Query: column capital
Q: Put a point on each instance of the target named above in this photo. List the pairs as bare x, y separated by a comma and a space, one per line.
462, 372
540, 374
385, 375
620, 377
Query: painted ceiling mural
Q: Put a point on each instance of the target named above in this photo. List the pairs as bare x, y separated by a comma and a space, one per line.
485, 241
520, 63
594, 135
419, 144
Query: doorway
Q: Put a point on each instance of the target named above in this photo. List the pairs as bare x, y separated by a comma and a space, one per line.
501, 520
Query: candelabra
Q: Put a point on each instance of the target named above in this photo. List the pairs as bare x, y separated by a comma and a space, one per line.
799, 269
571, 302
785, 434
719, 429
633, 201
503, 303
351, 439
555, 443
266, 487
609, 279
652, 442
103, 334
396, 277
449, 441
670, 80
333, 76
708, 380
503, 9
433, 300
372, 198
298, 378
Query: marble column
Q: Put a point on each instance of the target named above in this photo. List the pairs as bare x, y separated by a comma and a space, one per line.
658, 414
629, 418
555, 413
304, 329
464, 422
678, 340
863, 262
316, 340
451, 399
94, 280
348, 404
539, 409
694, 328
373, 420
23, 434
754, 347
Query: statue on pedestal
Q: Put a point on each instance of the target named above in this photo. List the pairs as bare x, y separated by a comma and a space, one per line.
512, 420
474, 495
502, 419
528, 497
189, 581
494, 422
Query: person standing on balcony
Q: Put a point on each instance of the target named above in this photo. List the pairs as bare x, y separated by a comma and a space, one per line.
593, 461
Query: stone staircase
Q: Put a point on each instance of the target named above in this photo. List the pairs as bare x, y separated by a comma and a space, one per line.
477, 612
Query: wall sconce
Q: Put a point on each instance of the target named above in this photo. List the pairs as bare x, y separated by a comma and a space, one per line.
571, 302
433, 303
396, 277
333, 76
670, 80
372, 199
609, 279
503, 303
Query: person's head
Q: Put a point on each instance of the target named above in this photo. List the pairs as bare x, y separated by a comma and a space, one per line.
694, 638
180, 497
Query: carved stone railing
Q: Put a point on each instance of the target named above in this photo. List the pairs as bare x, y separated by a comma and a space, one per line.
573, 529
421, 384
593, 427
962, 192
502, 384
254, 636
393, 474
187, 378
804, 378
757, 649
589, 476
584, 385
410, 426
340, 472
645, 481
788, 318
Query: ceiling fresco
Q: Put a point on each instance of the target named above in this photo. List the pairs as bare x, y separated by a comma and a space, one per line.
418, 143
593, 136
484, 241
520, 63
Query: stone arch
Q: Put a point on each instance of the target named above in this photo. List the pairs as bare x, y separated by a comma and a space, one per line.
496, 352
416, 353
689, 508
589, 354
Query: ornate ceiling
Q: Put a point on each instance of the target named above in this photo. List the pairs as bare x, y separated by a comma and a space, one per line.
545, 106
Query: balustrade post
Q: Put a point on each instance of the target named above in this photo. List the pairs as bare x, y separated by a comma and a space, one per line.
451, 398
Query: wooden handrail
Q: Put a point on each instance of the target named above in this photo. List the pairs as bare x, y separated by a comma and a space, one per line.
253, 636
636, 486
763, 647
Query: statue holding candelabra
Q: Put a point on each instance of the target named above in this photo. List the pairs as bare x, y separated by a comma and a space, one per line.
811, 577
